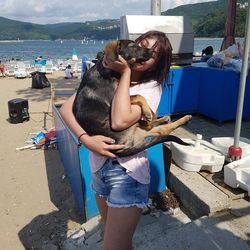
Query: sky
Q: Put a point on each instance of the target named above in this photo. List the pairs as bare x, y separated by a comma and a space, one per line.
58, 11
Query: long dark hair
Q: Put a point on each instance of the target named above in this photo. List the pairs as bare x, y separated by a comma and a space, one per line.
160, 71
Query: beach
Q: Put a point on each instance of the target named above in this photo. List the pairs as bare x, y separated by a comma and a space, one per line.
36, 203
37, 207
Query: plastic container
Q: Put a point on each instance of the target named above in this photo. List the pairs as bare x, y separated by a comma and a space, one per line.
223, 143
197, 143
200, 155
18, 110
237, 174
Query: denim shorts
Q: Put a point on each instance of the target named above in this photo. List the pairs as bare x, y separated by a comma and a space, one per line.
119, 189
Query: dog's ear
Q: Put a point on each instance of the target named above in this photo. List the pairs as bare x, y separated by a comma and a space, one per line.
111, 50
123, 44
127, 49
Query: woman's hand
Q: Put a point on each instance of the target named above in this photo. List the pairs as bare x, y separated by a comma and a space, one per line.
119, 65
101, 145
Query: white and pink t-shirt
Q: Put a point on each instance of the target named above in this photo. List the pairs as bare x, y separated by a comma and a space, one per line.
137, 165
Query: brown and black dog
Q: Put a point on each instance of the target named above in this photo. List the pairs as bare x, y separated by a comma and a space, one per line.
92, 105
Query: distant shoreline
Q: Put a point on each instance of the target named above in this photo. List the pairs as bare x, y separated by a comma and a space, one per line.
11, 41
65, 40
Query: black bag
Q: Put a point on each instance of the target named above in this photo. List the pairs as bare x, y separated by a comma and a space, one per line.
39, 80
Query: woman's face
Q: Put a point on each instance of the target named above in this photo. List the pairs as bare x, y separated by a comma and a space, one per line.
147, 43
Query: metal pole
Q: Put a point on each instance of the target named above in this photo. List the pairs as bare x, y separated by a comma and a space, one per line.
155, 7
235, 149
242, 81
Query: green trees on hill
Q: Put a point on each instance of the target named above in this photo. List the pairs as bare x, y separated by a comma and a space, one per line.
240, 22
213, 24
208, 20
197, 11
100, 30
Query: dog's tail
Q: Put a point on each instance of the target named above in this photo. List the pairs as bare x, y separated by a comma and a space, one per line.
176, 139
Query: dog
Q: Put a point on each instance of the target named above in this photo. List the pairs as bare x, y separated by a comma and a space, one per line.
92, 105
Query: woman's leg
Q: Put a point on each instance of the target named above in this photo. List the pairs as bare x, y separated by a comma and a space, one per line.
120, 227
124, 196
102, 206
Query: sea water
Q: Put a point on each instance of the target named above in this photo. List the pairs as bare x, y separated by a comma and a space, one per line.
63, 49
30, 50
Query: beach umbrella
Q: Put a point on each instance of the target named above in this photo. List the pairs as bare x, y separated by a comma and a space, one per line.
235, 152
230, 25
74, 55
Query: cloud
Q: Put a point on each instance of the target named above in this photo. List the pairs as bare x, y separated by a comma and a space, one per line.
55, 11
172, 4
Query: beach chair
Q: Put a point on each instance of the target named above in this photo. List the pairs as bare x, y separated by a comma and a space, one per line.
78, 67
9, 70
20, 70
29, 68
38, 67
59, 64
49, 67
68, 62
27, 65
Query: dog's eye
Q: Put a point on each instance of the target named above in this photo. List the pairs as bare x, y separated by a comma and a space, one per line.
131, 44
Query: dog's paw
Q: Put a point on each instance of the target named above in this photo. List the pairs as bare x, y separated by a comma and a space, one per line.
166, 119
186, 118
147, 115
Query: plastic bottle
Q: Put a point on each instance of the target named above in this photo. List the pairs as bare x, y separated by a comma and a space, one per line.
198, 141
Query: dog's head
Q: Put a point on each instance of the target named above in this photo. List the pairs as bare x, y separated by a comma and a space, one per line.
129, 50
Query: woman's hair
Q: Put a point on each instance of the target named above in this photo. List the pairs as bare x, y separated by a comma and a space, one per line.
160, 71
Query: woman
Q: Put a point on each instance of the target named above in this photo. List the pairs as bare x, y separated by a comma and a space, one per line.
121, 185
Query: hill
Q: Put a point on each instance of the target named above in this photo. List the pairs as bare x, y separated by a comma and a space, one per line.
12, 30
100, 30
208, 20
197, 11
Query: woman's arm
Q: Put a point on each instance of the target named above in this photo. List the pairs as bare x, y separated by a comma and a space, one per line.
98, 144
123, 114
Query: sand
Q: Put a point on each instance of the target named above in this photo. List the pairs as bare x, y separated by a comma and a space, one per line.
36, 204
37, 210
37, 207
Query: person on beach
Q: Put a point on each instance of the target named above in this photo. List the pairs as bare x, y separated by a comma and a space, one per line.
68, 72
121, 184
207, 53
2, 69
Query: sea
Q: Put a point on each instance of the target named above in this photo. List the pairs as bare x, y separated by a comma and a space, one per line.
63, 49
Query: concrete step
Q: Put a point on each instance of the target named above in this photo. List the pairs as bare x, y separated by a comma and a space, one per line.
199, 196
206, 233
150, 228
